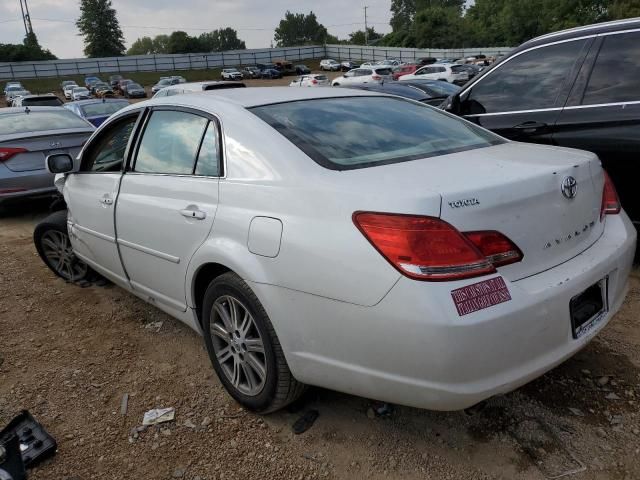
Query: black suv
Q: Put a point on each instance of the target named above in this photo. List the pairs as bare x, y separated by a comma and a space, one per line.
575, 88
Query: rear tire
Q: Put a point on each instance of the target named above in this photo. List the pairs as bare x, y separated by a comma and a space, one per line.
52, 242
244, 349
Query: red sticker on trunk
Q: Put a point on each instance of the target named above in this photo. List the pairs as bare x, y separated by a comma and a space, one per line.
480, 295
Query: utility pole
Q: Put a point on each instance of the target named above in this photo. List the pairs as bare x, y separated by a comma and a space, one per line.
366, 30
26, 18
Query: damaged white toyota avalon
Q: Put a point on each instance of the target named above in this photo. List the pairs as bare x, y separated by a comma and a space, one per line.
350, 240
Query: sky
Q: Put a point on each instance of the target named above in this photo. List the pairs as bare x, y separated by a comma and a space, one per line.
255, 20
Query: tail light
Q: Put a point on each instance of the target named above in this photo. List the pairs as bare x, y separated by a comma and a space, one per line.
314, 82
610, 199
7, 153
427, 248
376, 77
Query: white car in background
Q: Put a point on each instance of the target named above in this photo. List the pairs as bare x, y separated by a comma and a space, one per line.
311, 80
231, 74
80, 93
329, 64
358, 76
453, 73
476, 281
14, 91
68, 91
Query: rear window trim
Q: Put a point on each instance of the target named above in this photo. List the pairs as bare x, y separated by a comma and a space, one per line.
323, 161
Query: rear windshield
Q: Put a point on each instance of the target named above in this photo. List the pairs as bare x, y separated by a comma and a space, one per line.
383, 71
106, 108
357, 132
21, 122
458, 68
42, 102
321, 77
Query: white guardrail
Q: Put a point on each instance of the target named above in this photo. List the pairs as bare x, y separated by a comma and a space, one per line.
200, 61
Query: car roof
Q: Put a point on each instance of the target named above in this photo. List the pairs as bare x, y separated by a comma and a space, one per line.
254, 96
98, 100
594, 29
6, 111
34, 95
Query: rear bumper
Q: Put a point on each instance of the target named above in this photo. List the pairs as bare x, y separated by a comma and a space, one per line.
18, 185
413, 348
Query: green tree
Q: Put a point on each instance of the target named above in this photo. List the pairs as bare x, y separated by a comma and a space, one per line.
161, 44
299, 29
29, 50
402, 13
358, 37
142, 46
221, 40
181, 42
100, 28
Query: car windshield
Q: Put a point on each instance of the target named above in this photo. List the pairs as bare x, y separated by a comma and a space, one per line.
458, 68
42, 102
14, 88
342, 133
165, 81
60, 119
102, 108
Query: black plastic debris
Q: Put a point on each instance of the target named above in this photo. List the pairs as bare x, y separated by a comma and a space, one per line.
11, 464
305, 422
35, 444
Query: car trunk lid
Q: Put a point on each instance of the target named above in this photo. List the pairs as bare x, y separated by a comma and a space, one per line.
39, 147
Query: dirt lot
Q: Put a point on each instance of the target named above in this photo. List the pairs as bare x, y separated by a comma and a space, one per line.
68, 354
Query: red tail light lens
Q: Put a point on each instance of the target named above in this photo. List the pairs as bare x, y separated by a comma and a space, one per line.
376, 77
610, 199
497, 248
423, 248
7, 153
314, 82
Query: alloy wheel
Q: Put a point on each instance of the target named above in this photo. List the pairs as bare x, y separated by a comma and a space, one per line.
57, 249
238, 345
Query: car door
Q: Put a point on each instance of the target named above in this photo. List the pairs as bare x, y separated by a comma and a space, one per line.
522, 98
91, 194
168, 201
602, 114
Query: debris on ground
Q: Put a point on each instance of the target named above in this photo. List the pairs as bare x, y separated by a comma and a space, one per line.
158, 415
305, 422
154, 326
124, 403
379, 409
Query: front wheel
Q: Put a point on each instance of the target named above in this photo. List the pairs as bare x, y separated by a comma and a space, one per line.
52, 242
243, 347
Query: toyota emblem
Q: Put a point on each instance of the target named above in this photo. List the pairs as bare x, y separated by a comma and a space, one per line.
569, 187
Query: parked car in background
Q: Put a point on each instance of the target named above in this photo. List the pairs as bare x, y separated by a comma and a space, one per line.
134, 90
364, 75
348, 65
104, 91
302, 69
122, 84
192, 87
448, 73
11, 84
250, 71
434, 239
426, 60
430, 92
114, 79
446, 60
164, 82
80, 93
96, 111
14, 91
96, 85
404, 70
576, 88
285, 67
270, 73
26, 138
231, 74
66, 83
311, 80
44, 100
68, 89
471, 69
330, 65
90, 80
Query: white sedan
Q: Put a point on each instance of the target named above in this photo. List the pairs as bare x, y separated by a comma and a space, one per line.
448, 73
311, 80
80, 93
68, 90
408, 255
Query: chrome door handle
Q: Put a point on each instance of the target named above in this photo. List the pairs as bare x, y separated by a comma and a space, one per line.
197, 214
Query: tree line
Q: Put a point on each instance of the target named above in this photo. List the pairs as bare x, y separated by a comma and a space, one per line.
414, 23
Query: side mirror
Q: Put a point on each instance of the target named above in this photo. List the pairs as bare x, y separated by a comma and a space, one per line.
59, 163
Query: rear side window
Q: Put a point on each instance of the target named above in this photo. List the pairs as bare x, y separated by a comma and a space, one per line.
343, 134
530, 81
38, 121
616, 74
170, 143
42, 102
208, 157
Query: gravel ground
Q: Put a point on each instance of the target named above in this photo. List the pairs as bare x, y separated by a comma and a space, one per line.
69, 354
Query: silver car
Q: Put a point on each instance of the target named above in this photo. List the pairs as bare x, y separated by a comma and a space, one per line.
27, 136
14, 91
